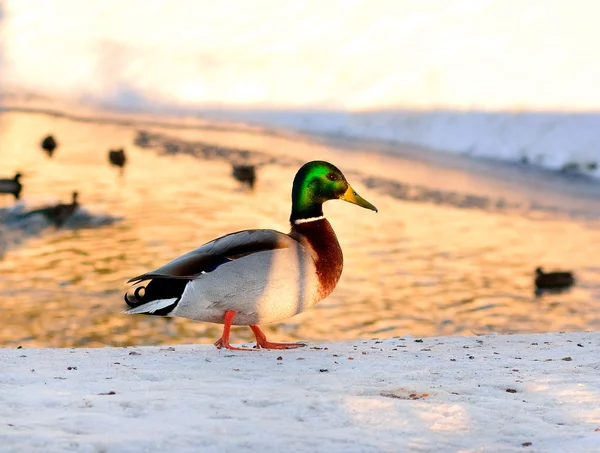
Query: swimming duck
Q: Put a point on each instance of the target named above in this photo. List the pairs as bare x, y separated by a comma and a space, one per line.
117, 157
256, 276
245, 174
59, 213
49, 145
62, 212
553, 280
12, 186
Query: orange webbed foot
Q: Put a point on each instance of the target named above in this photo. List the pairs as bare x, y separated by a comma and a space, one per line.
262, 342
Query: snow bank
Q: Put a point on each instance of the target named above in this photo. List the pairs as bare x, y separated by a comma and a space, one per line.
436, 60
557, 141
487, 394
340, 54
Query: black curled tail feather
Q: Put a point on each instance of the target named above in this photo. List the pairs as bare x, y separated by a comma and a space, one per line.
155, 289
136, 299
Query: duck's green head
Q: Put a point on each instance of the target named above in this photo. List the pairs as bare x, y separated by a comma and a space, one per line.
315, 183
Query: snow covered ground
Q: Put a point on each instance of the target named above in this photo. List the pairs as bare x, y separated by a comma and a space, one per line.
538, 393
496, 78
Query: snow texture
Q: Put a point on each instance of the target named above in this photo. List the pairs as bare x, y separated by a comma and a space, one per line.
511, 393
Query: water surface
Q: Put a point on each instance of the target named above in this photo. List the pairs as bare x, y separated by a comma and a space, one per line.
451, 251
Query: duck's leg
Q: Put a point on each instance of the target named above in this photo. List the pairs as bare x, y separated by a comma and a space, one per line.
262, 342
223, 342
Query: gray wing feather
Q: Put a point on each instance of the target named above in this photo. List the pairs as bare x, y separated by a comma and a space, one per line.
213, 253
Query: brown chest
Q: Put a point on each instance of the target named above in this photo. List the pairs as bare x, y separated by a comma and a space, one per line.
326, 250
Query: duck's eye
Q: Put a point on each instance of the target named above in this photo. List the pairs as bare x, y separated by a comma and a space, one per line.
331, 176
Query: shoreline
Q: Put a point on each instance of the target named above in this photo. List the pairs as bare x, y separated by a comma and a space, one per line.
536, 183
265, 122
525, 392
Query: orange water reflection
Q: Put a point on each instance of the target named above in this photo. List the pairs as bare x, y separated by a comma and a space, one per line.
414, 268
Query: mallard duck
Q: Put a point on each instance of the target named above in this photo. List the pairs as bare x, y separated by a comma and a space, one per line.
12, 186
553, 280
256, 276
245, 174
59, 213
117, 157
49, 145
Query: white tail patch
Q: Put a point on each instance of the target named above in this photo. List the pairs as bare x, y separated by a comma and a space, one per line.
151, 307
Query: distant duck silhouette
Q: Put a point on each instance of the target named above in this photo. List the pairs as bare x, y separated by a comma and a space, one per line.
49, 145
143, 139
12, 186
553, 280
172, 148
117, 158
245, 174
59, 213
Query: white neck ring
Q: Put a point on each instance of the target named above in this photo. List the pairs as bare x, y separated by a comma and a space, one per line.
310, 219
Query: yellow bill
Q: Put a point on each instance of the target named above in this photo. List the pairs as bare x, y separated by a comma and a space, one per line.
352, 197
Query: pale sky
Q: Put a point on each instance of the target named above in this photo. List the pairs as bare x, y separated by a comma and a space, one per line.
355, 54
